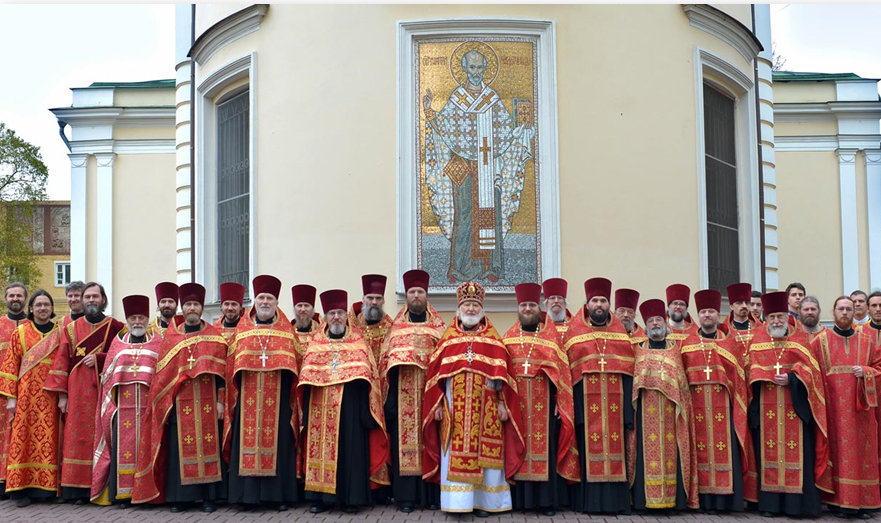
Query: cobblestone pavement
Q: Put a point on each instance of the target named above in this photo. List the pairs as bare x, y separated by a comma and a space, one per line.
47, 513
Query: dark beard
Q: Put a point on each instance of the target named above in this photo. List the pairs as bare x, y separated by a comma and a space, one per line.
416, 309
530, 320
599, 316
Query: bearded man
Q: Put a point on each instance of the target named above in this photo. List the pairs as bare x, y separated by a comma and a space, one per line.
16, 294
679, 320
368, 317
555, 303
626, 301
74, 376
232, 298
787, 415
471, 424
741, 324
809, 316
852, 364
544, 385
344, 444
601, 358
125, 383
166, 304
306, 322
402, 368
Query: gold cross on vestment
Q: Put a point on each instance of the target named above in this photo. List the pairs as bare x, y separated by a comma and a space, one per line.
462, 98
486, 149
487, 98
602, 364
135, 368
191, 360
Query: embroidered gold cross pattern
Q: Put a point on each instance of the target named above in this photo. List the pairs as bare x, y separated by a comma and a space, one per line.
653, 437
486, 149
127, 455
719, 416
770, 443
206, 408
770, 414
592, 379
188, 439
613, 407
701, 445
595, 437
615, 436
187, 410
720, 445
790, 415
209, 437
127, 394
594, 408
80, 351
791, 444
699, 417
127, 424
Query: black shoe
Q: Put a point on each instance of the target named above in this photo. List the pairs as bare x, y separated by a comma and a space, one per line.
547, 511
245, 507
351, 509
281, 507
176, 508
23, 502
124, 505
481, 513
767, 514
208, 507
434, 506
80, 501
863, 515
406, 508
318, 508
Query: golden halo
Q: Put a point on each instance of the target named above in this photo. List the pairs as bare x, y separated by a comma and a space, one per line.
492, 67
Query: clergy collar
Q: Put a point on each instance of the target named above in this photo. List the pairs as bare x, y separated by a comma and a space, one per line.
16, 317
846, 333
418, 318
740, 325
708, 336
661, 344
335, 336
138, 339
231, 324
530, 328
44, 328
163, 323
258, 321
76, 316
874, 325
95, 319
189, 329
307, 329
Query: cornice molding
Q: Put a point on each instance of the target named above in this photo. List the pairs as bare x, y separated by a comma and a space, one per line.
116, 116
786, 144
726, 28
226, 31
101, 148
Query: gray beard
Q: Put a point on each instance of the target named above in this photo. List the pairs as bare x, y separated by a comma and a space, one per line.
373, 313
656, 333
337, 329
557, 317
677, 317
138, 331
627, 325
303, 323
471, 320
265, 314
778, 332
92, 310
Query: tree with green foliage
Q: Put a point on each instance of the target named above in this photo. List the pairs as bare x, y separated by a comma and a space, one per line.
23, 178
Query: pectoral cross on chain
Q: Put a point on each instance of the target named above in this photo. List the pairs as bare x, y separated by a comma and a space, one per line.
469, 355
778, 367
707, 371
526, 366
191, 360
333, 365
602, 364
263, 358
135, 368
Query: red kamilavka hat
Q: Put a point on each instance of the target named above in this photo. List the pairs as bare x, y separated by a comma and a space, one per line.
528, 292
627, 298
232, 291
373, 284
166, 289
651, 308
555, 287
708, 299
266, 284
678, 291
414, 278
598, 287
739, 292
303, 294
192, 292
775, 302
334, 299
136, 304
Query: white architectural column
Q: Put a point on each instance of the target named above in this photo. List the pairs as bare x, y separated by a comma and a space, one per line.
873, 205
104, 228
850, 252
78, 164
183, 17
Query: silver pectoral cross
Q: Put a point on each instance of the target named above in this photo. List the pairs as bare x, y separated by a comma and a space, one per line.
333, 365
264, 357
469, 355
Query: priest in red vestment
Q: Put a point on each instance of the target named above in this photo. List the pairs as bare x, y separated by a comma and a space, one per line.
666, 461
678, 319
36, 421
166, 304
74, 293
740, 324
873, 329
16, 295
306, 322
403, 364
544, 386
787, 415
232, 297
368, 316
75, 376
471, 425
179, 458
125, 384
714, 365
344, 445
556, 305
262, 421
853, 363
626, 303
600, 356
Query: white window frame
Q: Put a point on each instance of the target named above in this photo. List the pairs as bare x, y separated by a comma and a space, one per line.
712, 69
59, 264
206, 194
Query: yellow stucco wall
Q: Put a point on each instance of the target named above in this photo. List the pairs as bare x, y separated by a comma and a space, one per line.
804, 128
626, 121
803, 92
810, 224
46, 264
740, 12
143, 97
159, 132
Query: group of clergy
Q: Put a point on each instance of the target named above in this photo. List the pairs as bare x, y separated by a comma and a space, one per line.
587, 411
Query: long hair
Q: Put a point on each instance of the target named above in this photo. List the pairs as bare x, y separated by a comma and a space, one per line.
37, 294
103, 293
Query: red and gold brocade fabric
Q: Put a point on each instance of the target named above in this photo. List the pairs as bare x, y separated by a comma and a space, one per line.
667, 424
259, 354
8, 328
327, 366
409, 346
875, 338
638, 335
70, 376
185, 378
720, 397
304, 338
470, 426
226, 332
128, 373
680, 335
598, 358
742, 338
373, 335
36, 428
782, 438
538, 360
560, 327
851, 407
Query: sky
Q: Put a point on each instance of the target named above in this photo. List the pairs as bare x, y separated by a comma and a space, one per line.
52, 48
